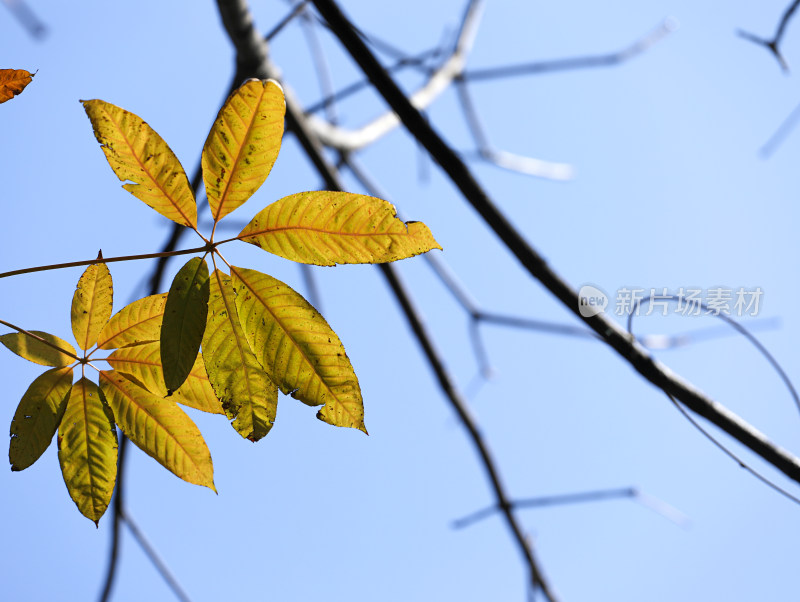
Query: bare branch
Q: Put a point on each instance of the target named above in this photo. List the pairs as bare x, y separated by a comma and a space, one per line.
641, 45
299, 8
350, 140
619, 340
27, 18
780, 134
649, 501
773, 45
154, 558
526, 165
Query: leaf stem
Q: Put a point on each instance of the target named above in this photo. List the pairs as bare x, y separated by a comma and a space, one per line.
222, 242
73, 264
40, 339
216, 252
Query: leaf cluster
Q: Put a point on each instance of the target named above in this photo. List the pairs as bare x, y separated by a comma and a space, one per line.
220, 342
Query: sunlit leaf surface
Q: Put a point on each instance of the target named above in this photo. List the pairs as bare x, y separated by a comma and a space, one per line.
135, 323
247, 393
139, 155
143, 363
91, 305
242, 145
159, 428
326, 228
298, 349
36, 351
87, 450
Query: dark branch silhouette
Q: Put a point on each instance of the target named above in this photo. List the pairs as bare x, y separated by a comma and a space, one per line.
634, 493
27, 18
622, 342
773, 44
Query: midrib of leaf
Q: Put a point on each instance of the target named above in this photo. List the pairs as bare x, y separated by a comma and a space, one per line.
147, 171
92, 302
164, 428
87, 437
299, 348
223, 196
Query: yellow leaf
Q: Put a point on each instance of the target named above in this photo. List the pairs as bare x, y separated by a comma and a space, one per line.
38, 352
91, 304
248, 395
87, 450
38, 416
242, 145
326, 228
159, 428
298, 349
13, 82
138, 154
143, 363
135, 323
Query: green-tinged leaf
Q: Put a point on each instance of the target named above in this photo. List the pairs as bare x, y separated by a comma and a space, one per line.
160, 428
136, 323
38, 352
138, 154
38, 416
184, 322
300, 352
326, 228
87, 449
242, 145
91, 304
247, 393
13, 82
143, 363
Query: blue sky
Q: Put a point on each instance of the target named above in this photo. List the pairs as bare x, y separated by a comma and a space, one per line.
670, 191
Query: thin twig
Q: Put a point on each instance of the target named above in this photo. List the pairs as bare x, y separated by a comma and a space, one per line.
350, 140
155, 559
27, 18
117, 513
75, 264
773, 45
350, 89
299, 8
518, 163
763, 351
641, 45
780, 134
634, 493
619, 340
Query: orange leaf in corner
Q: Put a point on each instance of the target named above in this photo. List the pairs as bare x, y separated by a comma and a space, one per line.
12, 82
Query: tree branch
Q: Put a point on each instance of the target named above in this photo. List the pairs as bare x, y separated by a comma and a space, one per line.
619, 340
773, 45
75, 264
582, 62
452, 68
